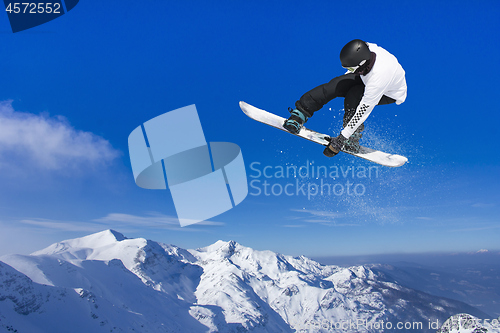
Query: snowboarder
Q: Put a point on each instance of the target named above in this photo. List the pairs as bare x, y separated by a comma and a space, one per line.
373, 77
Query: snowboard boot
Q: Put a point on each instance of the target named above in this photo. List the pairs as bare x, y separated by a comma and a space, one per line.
295, 122
352, 144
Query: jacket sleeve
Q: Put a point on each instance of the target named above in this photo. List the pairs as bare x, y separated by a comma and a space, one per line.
362, 112
371, 97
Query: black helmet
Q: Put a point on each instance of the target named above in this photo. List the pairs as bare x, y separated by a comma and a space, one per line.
354, 54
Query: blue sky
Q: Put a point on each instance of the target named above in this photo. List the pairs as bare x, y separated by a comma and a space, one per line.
74, 88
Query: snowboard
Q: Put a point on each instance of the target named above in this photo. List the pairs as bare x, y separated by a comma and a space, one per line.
376, 156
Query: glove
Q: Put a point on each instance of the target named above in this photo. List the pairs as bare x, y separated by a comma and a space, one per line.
335, 146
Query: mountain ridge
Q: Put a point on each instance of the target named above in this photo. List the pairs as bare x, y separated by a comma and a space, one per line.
119, 283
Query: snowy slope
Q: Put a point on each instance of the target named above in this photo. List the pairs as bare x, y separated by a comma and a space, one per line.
106, 282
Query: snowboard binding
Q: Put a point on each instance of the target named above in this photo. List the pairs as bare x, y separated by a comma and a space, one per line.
295, 122
351, 147
352, 144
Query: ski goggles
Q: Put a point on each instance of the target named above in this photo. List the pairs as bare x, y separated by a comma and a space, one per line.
353, 69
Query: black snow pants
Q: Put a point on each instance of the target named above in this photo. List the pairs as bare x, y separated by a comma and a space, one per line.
350, 86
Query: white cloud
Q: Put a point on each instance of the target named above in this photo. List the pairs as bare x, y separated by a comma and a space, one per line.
48, 142
152, 220
127, 219
483, 205
118, 221
487, 227
63, 225
318, 216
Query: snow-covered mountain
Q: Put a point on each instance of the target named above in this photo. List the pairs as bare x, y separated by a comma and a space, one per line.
106, 282
465, 323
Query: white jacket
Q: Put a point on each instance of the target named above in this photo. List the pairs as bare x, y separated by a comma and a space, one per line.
386, 77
